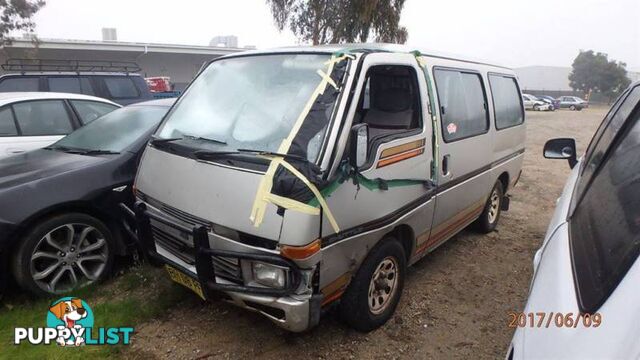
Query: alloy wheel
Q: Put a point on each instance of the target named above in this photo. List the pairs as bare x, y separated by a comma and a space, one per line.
68, 257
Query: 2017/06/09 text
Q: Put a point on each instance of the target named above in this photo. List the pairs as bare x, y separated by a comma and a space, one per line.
557, 319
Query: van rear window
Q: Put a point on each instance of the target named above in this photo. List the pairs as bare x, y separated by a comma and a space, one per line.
506, 101
462, 104
19, 84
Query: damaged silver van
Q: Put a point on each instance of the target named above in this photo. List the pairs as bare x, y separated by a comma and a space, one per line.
290, 180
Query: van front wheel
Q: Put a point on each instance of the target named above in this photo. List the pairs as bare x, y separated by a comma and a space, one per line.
374, 292
488, 220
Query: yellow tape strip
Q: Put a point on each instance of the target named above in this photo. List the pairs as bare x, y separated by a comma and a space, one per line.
327, 78
263, 195
334, 59
288, 203
315, 192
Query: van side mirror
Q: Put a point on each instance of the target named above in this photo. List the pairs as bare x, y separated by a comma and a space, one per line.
561, 148
359, 143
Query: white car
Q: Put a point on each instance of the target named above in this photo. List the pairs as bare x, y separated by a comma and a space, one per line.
32, 120
584, 299
533, 103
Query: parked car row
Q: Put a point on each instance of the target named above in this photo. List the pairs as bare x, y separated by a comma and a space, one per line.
324, 197
60, 219
548, 103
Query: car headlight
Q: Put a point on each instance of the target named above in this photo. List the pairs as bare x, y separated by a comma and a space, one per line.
269, 275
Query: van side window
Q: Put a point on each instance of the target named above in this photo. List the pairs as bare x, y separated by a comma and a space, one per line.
7, 124
20, 84
43, 117
463, 108
121, 87
75, 85
390, 101
506, 101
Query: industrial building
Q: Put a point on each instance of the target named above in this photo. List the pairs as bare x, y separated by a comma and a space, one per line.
179, 62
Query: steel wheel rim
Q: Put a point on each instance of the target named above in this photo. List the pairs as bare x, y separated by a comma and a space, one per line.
494, 207
68, 257
383, 285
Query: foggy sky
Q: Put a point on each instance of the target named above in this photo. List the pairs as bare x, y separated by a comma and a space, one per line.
512, 32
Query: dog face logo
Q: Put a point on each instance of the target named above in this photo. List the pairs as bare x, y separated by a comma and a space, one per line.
69, 311
73, 316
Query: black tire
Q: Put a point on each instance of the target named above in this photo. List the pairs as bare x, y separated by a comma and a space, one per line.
354, 305
487, 221
536, 107
21, 264
572, 107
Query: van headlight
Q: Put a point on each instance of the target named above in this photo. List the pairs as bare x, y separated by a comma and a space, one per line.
269, 275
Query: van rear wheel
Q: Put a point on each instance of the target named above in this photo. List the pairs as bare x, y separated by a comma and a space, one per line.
488, 220
374, 292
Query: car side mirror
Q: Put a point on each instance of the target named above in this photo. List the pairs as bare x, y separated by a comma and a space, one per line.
561, 148
359, 144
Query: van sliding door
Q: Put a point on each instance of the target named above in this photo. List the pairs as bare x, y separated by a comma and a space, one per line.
465, 151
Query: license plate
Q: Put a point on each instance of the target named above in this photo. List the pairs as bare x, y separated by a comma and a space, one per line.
185, 280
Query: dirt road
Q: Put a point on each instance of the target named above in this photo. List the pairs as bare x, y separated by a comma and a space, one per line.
455, 302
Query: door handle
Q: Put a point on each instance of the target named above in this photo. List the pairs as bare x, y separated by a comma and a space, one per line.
446, 164
15, 151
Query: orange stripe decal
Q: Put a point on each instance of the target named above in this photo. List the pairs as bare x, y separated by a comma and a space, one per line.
335, 289
400, 157
401, 148
331, 298
450, 226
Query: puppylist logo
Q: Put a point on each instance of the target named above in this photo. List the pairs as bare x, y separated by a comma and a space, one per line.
70, 323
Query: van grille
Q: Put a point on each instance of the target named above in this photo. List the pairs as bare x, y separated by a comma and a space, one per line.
175, 246
175, 213
224, 267
227, 268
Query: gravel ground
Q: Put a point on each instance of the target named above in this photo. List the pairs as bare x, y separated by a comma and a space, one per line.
455, 302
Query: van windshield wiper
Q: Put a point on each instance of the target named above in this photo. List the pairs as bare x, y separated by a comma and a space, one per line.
272, 153
208, 155
202, 138
158, 140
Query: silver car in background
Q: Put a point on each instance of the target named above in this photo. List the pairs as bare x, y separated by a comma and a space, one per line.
584, 301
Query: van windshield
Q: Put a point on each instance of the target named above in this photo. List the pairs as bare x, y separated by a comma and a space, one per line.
248, 102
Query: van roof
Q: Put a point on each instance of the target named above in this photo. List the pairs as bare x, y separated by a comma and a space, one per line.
370, 47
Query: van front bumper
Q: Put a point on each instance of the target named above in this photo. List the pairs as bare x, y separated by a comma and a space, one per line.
292, 311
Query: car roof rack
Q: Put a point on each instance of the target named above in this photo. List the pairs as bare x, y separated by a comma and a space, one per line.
56, 65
